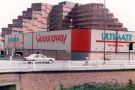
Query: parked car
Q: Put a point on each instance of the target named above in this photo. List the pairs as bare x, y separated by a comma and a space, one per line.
39, 57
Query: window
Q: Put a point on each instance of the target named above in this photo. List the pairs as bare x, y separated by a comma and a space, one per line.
42, 56
37, 56
34, 18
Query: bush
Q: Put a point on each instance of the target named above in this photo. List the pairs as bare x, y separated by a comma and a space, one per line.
105, 86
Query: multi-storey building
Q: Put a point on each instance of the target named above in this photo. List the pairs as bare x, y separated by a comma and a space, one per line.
43, 17
96, 16
61, 15
32, 20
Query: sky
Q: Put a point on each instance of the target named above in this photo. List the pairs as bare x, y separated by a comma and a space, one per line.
124, 10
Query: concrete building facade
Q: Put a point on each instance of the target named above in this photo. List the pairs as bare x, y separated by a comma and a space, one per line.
76, 44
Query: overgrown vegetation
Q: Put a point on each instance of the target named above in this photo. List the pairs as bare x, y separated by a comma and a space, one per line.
105, 86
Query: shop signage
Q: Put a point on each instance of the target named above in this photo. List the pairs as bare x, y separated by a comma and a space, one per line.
119, 37
57, 38
13, 39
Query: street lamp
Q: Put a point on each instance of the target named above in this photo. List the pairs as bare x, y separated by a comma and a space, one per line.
71, 24
32, 36
104, 27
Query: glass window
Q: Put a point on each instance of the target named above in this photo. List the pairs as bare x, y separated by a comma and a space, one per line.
42, 56
36, 56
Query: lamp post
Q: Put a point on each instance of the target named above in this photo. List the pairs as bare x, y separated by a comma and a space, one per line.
32, 36
104, 27
130, 48
71, 24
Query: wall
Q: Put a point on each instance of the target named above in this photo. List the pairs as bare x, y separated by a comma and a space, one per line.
66, 55
14, 41
11, 79
111, 56
51, 80
81, 42
59, 55
76, 40
53, 40
113, 41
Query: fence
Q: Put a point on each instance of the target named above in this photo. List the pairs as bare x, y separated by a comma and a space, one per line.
31, 66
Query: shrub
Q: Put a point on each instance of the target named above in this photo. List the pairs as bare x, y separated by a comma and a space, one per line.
105, 86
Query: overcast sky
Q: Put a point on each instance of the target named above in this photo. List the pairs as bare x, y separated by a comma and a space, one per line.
124, 10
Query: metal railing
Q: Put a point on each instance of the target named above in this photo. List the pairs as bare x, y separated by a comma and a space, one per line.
32, 66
